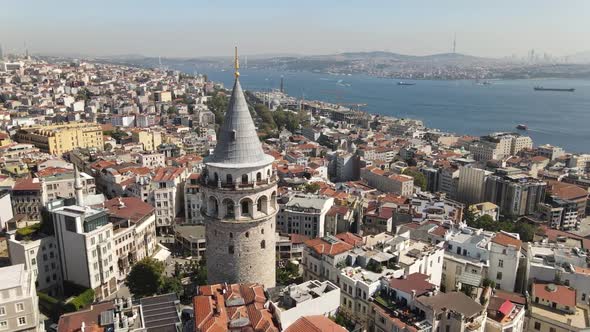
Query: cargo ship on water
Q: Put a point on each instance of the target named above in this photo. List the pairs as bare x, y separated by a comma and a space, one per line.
540, 88
405, 83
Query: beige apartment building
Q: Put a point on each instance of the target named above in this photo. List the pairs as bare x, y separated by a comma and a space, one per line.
62, 138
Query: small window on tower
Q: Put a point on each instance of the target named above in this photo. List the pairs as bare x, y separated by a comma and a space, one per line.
233, 135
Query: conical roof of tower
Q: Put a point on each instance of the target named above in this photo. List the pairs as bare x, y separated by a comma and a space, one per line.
238, 144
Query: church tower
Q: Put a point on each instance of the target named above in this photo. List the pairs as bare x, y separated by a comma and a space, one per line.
239, 201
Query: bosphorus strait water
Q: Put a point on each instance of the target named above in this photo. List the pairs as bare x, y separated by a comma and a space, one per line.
461, 107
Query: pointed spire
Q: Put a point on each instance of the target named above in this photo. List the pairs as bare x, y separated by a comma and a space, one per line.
238, 144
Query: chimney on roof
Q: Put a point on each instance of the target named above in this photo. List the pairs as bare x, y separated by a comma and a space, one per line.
121, 204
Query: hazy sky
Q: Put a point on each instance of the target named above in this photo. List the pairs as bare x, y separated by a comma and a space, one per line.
196, 28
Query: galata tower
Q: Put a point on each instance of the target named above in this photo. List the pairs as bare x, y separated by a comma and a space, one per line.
239, 200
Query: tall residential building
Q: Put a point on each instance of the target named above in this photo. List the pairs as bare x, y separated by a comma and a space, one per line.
471, 185
27, 196
239, 188
62, 138
19, 305
192, 200
516, 194
167, 196
87, 233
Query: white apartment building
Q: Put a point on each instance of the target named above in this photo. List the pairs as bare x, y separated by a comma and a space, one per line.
152, 160
38, 254
498, 146
86, 232
167, 196
19, 304
309, 298
304, 214
473, 254
123, 120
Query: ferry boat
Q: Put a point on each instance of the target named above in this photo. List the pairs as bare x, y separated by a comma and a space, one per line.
540, 88
405, 83
521, 127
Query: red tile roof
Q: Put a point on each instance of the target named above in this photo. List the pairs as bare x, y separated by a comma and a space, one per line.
566, 190
131, 208
506, 240
73, 321
562, 295
552, 235
27, 184
315, 324
417, 282
506, 308
49, 171
352, 239
217, 306
298, 238
324, 247
510, 296
164, 174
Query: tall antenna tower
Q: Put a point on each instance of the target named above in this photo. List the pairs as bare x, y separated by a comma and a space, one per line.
455, 44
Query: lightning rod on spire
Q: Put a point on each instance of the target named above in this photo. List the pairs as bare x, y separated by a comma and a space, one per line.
236, 63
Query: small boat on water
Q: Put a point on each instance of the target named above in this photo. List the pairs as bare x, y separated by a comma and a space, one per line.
540, 88
521, 127
405, 83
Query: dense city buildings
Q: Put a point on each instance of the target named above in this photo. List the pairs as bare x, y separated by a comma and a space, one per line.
265, 212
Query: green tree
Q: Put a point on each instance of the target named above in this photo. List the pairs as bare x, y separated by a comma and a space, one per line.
525, 231
172, 110
218, 104
311, 187
288, 274
84, 94
145, 278
419, 178
171, 285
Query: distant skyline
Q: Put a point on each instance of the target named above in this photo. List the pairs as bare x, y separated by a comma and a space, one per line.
197, 28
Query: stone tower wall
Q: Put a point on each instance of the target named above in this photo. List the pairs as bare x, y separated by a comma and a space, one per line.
241, 249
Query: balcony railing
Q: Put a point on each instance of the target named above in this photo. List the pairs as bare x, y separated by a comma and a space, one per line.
239, 185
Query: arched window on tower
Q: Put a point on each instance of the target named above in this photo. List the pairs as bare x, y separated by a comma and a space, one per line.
262, 204
215, 177
229, 208
262, 244
258, 177
273, 200
245, 210
229, 179
244, 178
